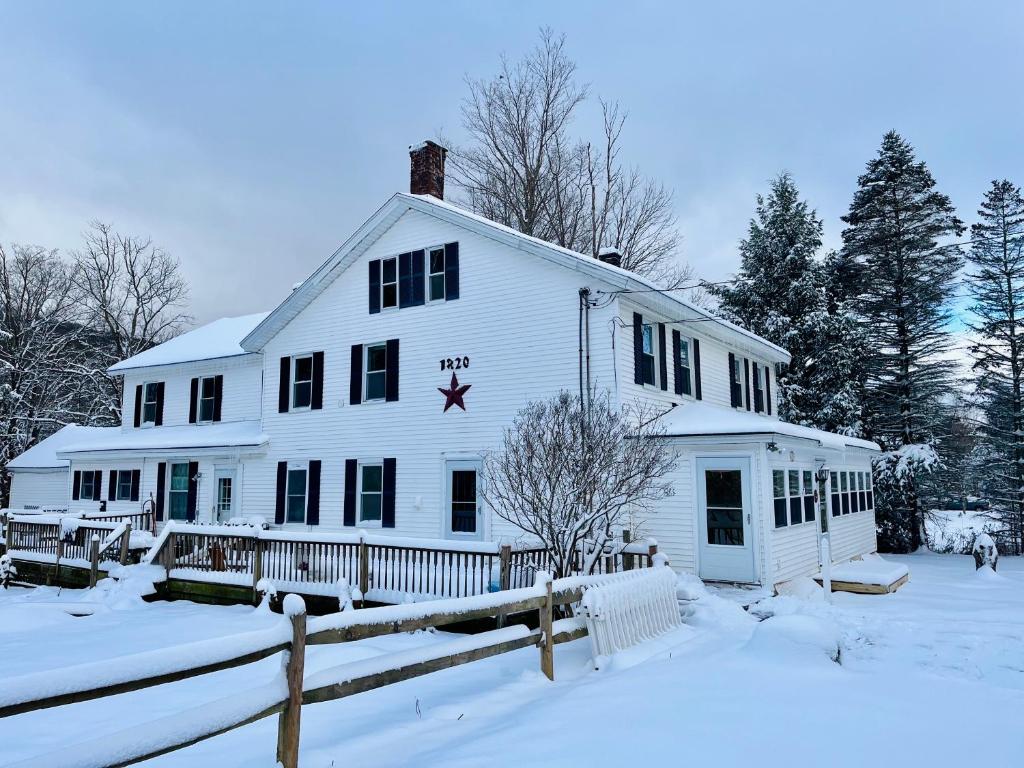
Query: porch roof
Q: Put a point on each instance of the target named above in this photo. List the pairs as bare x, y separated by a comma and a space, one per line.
43, 455
239, 434
701, 419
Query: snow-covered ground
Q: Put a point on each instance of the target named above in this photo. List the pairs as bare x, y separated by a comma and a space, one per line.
954, 530
932, 675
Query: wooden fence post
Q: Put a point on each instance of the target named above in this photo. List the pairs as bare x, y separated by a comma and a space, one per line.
547, 645
56, 563
125, 541
652, 550
504, 577
364, 571
94, 560
169, 554
627, 557
257, 569
289, 720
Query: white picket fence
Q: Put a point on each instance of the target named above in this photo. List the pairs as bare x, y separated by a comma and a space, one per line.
629, 608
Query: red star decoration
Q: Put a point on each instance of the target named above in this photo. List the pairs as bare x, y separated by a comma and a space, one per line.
453, 395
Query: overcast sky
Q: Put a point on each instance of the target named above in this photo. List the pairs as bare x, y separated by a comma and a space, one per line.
250, 139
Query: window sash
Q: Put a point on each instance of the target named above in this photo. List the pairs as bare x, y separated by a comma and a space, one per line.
375, 364
389, 283
302, 381
647, 358
295, 501
371, 492
86, 488
207, 397
149, 402
435, 276
177, 492
124, 485
684, 366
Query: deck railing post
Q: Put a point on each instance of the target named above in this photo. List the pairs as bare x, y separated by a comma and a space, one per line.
364, 571
169, 546
547, 645
627, 557
504, 577
257, 568
125, 541
289, 720
94, 560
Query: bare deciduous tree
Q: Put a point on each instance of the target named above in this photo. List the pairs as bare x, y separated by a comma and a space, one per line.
572, 476
521, 167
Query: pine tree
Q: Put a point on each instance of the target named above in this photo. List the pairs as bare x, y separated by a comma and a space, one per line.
901, 279
781, 293
996, 282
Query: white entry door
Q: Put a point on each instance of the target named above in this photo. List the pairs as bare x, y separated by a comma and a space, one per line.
463, 514
724, 514
225, 492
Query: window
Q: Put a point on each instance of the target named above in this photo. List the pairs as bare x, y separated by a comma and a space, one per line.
795, 498
737, 382
389, 283
779, 492
150, 398
124, 485
296, 498
862, 489
844, 487
684, 366
88, 489
759, 391
376, 360
302, 381
371, 487
207, 398
808, 495
435, 277
647, 360
723, 489
463, 500
177, 495
834, 491
869, 491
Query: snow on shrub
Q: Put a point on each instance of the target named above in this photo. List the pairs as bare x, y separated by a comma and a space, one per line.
7, 570
985, 552
344, 595
268, 591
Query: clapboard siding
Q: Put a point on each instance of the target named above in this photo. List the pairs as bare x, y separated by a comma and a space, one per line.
44, 488
852, 535
672, 521
795, 551
242, 384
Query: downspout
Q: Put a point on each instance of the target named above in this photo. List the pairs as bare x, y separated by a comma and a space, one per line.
585, 299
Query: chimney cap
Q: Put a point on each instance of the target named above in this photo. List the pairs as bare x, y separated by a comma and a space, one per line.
610, 255
426, 143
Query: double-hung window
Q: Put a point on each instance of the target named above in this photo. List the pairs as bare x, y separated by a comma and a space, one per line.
296, 498
779, 493
389, 283
150, 398
758, 389
686, 377
376, 360
795, 498
302, 381
844, 486
177, 494
371, 491
124, 485
647, 360
435, 275
834, 497
809, 483
736, 382
87, 489
207, 398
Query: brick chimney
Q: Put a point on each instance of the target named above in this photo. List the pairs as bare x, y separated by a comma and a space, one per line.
426, 169
610, 256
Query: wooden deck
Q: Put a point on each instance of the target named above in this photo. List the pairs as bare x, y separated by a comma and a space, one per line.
862, 588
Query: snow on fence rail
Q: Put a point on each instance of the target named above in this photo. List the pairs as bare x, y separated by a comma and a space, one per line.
285, 697
67, 540
384, 568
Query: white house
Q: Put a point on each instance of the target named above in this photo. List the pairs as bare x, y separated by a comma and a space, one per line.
368, 395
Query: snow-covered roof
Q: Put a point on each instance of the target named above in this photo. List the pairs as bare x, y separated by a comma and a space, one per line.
221, 338
698, 419
238, 434
401, 202
43, 455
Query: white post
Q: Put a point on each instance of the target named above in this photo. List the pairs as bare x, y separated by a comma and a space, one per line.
826, 567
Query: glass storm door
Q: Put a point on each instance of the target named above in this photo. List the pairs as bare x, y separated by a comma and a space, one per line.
462, 503
224, 495
724, 515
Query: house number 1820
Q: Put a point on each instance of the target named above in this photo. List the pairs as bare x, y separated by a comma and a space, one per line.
454, 363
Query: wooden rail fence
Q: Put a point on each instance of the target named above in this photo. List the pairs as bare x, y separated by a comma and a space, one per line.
21, 695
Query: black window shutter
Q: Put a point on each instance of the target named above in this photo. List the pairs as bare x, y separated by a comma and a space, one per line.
112, 485
734, 399
746, 380
696, 369
159, 404
76, 485
193, 402
677, 368
451, 271
284, 384
138, 405
97, 481
161, 486
391, 371
313, 499
317, 399
418, 278
374, 286
193, 489
136, 478
282, 479
638, 348
663, 351
218, 396
387, 499
767, 391
349, 513
355, 378
404, 280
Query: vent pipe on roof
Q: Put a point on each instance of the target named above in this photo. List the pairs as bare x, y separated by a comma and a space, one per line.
426, 169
